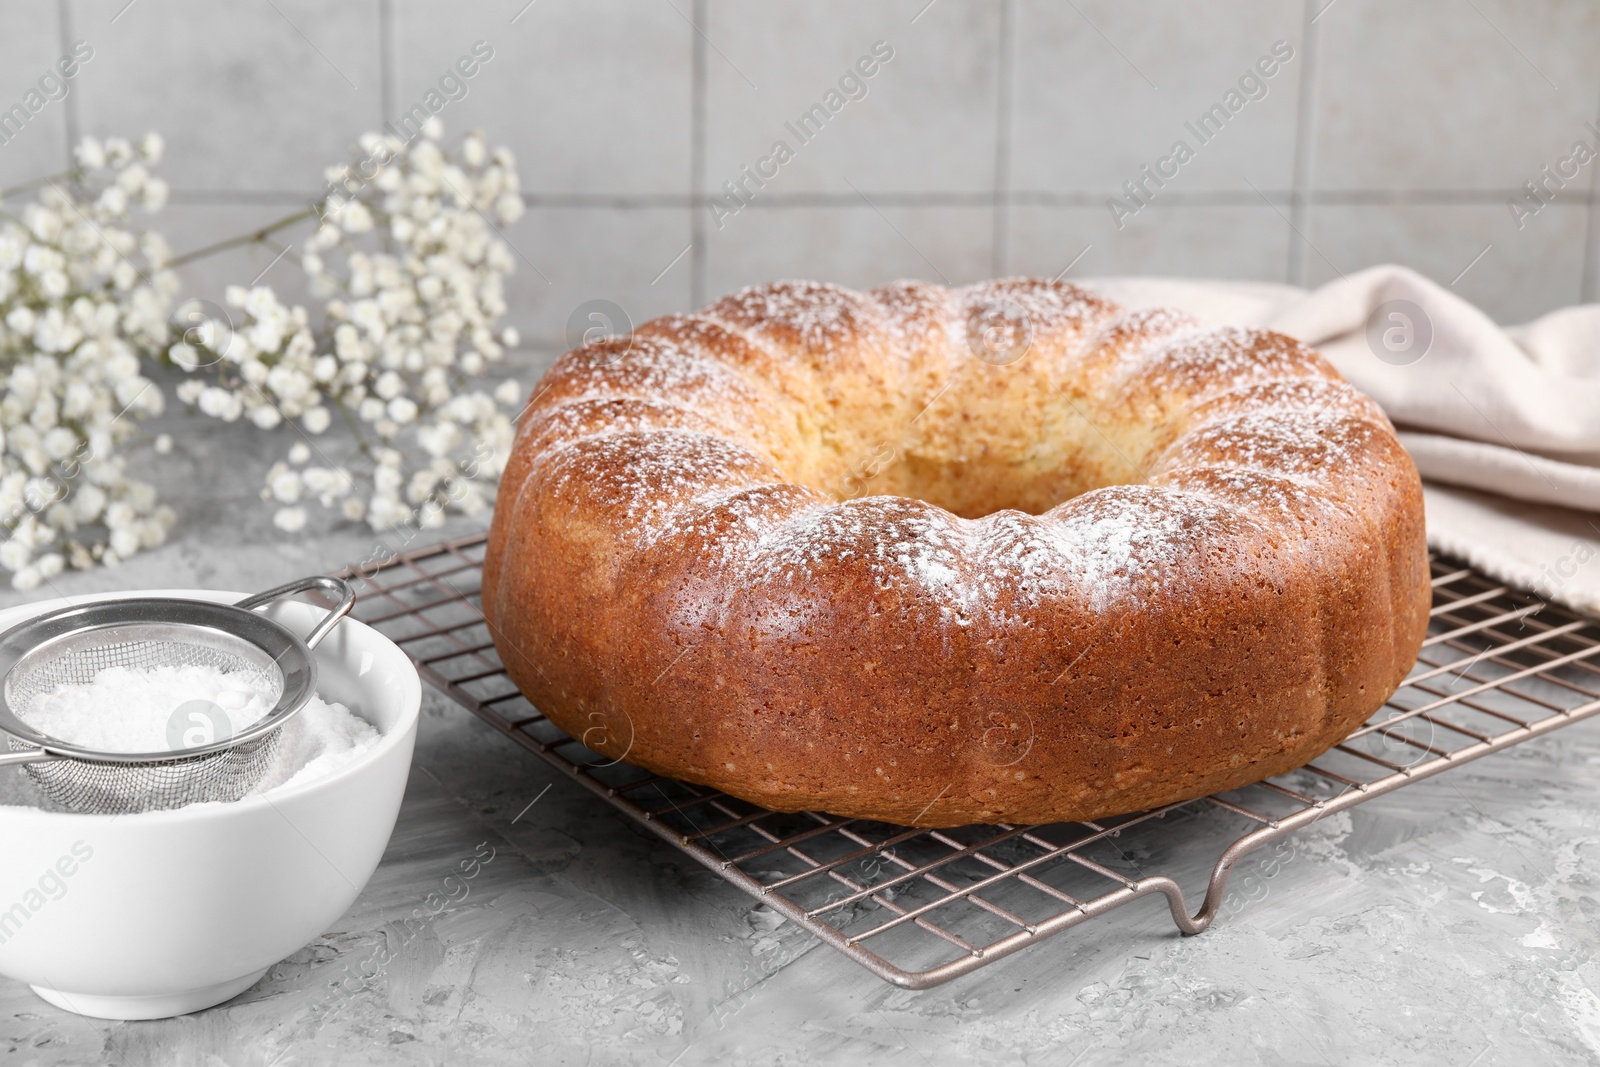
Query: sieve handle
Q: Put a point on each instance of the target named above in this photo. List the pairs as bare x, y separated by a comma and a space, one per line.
12, 759
336, 586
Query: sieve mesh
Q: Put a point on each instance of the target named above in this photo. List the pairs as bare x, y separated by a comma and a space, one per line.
119, 788
129, 788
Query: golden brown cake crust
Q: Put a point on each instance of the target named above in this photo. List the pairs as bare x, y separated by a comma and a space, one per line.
942, 556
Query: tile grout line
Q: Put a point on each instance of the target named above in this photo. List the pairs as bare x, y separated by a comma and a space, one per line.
697, 155
1587, 285
1004, 96
72, 120
1034, 197
387, 74
1304, 138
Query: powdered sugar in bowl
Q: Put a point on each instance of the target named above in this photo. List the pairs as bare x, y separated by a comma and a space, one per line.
165, 912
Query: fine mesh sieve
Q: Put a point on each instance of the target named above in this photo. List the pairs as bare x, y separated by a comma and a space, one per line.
72, 645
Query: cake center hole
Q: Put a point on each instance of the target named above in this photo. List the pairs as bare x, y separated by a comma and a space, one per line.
1008, 440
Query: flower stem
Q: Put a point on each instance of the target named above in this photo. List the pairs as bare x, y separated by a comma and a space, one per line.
355, 428
66, 175
253, 237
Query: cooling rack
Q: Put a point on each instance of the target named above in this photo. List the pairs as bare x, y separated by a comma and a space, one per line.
920, 907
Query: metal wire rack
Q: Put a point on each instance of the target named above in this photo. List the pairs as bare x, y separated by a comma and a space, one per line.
920, 907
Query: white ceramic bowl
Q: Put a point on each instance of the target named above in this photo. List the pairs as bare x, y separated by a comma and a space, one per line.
168, 912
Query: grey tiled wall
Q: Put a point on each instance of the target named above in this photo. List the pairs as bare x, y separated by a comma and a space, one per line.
989, 143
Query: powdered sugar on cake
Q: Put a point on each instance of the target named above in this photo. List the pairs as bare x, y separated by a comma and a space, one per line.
1118, 544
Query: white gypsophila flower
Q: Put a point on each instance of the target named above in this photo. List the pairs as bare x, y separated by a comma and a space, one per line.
82, 296
411, 273
90, 154
291, 519
402, 409
316, 419
125, 541
285, 485
155, 196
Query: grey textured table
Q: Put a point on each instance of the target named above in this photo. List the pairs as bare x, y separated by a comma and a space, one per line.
1451, 923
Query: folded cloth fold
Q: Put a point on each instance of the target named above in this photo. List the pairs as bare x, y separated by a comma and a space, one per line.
1552, 552
1491, 414
1491, 468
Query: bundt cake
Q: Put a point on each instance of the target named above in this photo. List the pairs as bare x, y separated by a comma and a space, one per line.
935, 556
